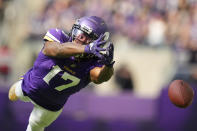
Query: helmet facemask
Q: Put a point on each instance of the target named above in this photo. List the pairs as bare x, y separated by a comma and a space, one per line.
81, 36
83, 33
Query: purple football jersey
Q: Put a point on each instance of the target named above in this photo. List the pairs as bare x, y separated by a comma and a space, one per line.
51, 81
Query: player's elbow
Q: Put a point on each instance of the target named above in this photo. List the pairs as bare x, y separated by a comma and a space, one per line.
99, 75
98, 81
102, 78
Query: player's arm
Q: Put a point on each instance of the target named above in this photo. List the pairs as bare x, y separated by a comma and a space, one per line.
55, 49
99, 75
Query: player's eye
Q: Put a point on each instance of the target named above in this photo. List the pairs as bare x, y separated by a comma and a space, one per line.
81, 37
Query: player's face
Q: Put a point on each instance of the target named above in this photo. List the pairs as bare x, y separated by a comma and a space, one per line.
82, 38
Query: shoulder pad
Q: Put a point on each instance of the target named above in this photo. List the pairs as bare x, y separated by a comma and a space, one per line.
56, 35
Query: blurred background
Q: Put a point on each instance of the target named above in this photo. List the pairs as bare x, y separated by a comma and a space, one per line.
155, 42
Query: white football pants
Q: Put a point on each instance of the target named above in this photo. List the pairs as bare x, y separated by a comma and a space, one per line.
39, 117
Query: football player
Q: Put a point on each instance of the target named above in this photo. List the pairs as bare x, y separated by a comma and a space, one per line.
65, 65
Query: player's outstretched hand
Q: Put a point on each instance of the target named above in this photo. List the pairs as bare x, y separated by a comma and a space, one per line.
96, 47
108, 56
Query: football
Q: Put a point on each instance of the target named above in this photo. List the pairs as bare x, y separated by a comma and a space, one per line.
180, 93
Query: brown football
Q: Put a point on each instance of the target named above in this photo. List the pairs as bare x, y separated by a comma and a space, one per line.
180, 93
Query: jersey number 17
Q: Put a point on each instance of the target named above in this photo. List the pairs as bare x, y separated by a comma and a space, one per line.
66, 76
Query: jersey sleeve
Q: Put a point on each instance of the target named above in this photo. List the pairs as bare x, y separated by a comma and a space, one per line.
56, 35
